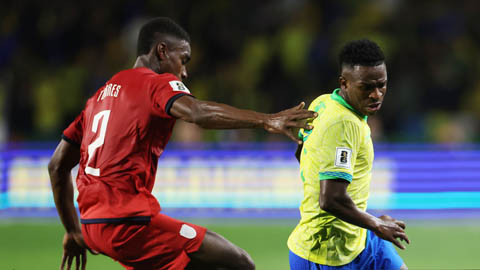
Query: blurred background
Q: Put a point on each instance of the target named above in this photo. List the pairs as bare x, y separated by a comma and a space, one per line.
265, 56
262, 55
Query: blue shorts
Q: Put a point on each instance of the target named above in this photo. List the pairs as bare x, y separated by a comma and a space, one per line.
378, 254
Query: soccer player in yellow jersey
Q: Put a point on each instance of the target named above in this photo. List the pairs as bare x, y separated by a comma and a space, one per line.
335, 231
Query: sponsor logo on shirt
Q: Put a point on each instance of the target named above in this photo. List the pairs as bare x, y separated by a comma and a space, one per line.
343, 157
179, 86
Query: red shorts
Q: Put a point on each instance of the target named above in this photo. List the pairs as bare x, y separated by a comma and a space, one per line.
163, 243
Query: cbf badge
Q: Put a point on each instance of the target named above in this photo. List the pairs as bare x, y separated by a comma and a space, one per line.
343, 158
178, 86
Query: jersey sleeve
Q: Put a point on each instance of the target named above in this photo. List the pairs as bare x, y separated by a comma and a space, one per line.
74, 132
164, 91
335, 150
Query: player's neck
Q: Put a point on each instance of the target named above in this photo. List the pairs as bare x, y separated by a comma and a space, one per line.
146, 61
141, 61
344, 96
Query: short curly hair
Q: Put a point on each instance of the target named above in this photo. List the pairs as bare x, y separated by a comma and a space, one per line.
150, 32
361, 52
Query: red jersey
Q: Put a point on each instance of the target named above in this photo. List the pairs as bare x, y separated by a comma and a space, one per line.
122, 131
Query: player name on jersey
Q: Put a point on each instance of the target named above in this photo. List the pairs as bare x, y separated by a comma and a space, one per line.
110, 90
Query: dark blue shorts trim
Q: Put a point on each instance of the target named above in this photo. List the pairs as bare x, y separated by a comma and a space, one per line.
169, 104
137, 219
70, 140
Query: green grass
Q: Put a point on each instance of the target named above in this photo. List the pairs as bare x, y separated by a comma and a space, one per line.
36, 244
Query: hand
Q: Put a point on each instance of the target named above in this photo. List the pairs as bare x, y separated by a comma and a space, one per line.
74, 247
287, 120
390, 229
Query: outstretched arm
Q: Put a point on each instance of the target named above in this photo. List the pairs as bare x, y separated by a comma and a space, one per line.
212, 115
66, 157
335, 200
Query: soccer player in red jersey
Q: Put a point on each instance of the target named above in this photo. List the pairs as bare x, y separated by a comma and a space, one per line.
117, 140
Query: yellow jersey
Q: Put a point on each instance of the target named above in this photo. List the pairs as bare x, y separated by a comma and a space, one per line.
339, 146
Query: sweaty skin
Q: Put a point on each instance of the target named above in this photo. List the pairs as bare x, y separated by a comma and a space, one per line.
212, 115
363, 87
170, 55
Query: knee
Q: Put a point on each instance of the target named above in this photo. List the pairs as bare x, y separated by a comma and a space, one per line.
245, 261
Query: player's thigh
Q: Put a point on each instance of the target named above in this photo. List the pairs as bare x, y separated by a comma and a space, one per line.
164, 241
218, 252
299, 263
385, 253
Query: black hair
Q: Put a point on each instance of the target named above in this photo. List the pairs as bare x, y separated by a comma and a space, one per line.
151, 31
361, 52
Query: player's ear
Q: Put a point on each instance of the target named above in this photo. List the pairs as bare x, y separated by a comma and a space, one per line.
161, 51
343, 82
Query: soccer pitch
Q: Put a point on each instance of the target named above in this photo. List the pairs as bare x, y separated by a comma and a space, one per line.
435, 244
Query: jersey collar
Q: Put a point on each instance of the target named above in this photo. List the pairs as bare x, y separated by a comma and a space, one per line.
336, 96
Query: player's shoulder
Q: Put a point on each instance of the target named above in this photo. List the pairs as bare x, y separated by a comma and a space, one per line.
319, 102
164, 79
331, 112
325, 104
153, 80
145, 73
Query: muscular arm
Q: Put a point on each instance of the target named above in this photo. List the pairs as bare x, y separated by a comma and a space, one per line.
65, 157
212, 115
335, 200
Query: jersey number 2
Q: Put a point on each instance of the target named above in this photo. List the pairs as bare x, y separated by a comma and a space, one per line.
99, 141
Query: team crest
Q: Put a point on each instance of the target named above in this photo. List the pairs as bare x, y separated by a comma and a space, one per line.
178, 86
343, 157
188, 232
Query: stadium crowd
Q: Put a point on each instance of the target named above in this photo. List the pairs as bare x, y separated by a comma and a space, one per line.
262, 55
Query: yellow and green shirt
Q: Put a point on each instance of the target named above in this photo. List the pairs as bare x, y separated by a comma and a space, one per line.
339, 146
